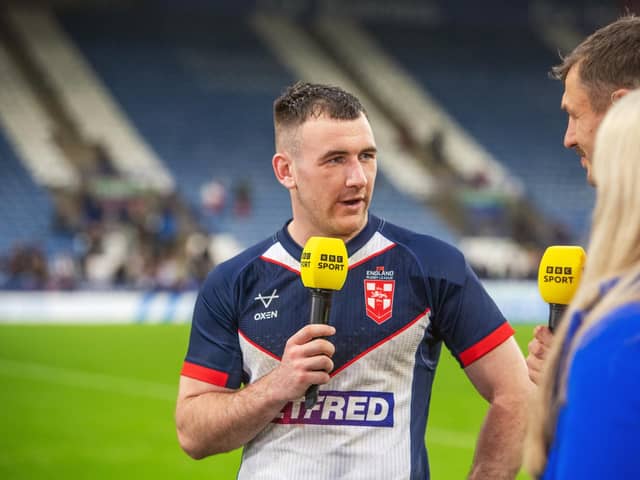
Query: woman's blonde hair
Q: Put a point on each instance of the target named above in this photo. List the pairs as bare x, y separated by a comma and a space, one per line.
613, 253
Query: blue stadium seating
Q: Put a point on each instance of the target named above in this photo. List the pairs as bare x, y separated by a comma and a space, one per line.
199, 87
494, 83
25, 207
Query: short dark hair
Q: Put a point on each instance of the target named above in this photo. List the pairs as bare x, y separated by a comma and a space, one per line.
608, 59
301, 101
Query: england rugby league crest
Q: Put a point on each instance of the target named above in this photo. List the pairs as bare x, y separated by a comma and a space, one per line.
378, 294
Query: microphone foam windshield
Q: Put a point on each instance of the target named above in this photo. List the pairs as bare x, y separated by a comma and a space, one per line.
324, 263
560, 273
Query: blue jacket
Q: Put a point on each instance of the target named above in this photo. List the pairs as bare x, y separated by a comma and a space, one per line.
598, 430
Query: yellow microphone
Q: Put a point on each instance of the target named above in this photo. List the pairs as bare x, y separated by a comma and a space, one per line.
558, 278
323, 268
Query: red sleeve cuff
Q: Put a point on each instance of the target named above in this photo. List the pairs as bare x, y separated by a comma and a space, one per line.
488, 343
205, 374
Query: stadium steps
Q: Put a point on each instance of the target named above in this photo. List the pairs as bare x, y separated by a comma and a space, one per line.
201, 95
85, 98
411, 104
464, 203
30, 130
207, 111
494, 83
62, 129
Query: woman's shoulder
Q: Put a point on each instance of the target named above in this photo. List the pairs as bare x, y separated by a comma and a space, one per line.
611, 348
621, 324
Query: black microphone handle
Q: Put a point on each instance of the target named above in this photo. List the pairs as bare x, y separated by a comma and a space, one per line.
556, 310
320, 306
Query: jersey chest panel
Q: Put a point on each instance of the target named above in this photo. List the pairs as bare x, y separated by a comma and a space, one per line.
380, 298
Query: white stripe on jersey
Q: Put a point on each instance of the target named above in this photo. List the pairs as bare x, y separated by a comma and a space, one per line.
278, 254
376, 244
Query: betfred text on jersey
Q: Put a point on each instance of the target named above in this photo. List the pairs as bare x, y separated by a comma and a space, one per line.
367, 409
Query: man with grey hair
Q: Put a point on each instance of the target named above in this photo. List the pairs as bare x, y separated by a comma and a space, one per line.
599, 71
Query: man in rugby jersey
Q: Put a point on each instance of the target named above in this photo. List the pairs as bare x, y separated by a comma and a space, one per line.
252, 354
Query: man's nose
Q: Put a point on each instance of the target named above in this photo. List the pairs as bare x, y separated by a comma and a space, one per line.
356, 176
570, 135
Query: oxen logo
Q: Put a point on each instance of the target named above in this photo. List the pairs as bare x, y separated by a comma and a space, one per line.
266, 300
378, 297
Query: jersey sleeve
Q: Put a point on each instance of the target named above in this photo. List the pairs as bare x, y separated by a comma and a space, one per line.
214, 355
467, 318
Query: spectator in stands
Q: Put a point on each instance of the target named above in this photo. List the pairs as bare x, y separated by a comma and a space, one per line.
26, 268
587, 419
198, 261
103, 163
167, 225
213, 195
250, 327
599, 71
63, 272
242, 198
92, 209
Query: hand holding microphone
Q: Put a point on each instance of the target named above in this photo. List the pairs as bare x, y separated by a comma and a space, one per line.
558, 278
323, 268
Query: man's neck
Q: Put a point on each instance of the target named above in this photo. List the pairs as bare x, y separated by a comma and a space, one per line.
301, 235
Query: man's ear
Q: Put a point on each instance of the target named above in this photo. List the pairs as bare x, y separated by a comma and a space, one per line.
618, 94
283, 168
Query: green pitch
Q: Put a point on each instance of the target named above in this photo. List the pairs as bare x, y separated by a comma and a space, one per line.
97, 402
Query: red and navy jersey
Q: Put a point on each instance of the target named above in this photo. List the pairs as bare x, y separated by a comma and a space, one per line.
405, 294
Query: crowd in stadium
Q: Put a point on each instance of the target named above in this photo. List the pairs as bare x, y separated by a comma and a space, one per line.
163, 241
119, 237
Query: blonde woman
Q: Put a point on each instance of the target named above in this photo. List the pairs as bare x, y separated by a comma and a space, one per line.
586, 421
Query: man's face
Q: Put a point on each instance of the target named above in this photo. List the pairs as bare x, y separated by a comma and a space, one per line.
333, 169
583, 120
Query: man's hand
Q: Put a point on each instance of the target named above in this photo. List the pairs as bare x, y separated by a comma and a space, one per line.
306, 361
212, 419
538, 348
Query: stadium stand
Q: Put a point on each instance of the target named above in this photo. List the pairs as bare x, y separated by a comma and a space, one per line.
33, 169
492, 81
30, 130
413, 106
179, 97
89, 105
26, 210
207, 110
197, 95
